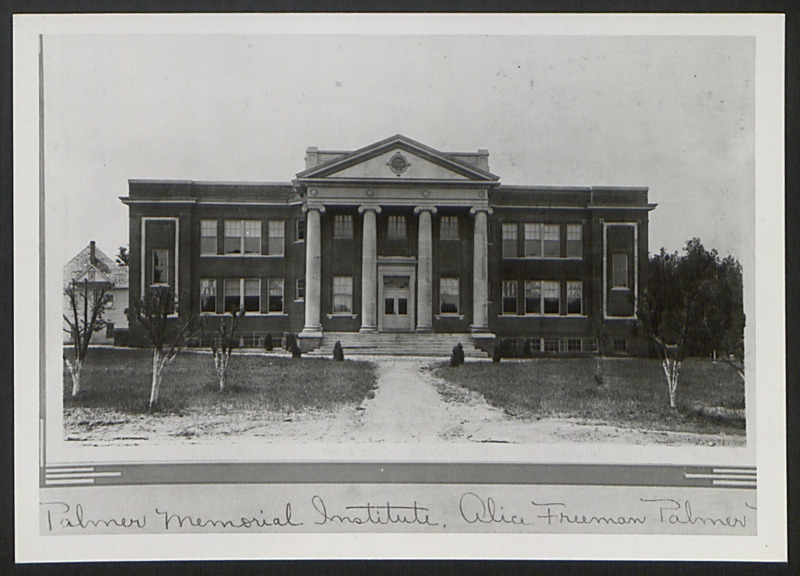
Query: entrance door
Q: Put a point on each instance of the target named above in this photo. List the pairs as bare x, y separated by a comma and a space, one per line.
396, 303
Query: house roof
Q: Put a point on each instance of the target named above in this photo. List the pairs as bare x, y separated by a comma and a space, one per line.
79, 264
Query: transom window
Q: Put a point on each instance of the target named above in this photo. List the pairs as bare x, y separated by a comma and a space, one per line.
242, 237
396, 228
619, 270
575, 298
509, 240
574, 240
208, 295
448, 295
509, 296
343, 227
242, 294
448, 228
275, 242
208, 237
342, 294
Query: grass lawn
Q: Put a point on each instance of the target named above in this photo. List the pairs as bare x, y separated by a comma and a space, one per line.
119, 379
634, 394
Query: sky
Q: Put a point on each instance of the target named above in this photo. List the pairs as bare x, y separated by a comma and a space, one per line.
675, 114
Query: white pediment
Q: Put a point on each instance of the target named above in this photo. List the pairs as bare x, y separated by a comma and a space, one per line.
93, 276
398, 164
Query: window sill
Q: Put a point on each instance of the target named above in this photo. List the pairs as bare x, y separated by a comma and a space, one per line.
342, 315
242, 255
450, 317
620, 289
542, 257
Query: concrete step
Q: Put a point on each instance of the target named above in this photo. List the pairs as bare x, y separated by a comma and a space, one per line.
397, 344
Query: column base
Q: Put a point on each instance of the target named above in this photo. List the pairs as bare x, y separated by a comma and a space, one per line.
368, 330
424, 330
311, 332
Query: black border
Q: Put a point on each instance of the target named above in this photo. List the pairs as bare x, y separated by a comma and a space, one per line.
792, 269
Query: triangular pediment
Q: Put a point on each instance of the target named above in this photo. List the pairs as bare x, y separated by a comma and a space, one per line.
92, 275
398, 158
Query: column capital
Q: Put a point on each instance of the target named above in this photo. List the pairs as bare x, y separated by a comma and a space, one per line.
319, 208
431, 209
364, 207
475, 209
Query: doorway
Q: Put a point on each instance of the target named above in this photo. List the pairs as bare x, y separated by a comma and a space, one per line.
396, 303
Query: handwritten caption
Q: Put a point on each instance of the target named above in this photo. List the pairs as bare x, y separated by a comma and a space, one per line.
469, 511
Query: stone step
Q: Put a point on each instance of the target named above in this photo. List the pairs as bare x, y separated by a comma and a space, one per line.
397, 344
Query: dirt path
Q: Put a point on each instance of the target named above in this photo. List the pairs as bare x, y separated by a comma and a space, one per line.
409, 405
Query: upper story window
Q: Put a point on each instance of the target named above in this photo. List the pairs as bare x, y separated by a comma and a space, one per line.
208, 237
300, 230
619, 270
574, 240
448, 228
343, 227
242, 237
275, 242
542, 240
300, 289
396, 228
510, 240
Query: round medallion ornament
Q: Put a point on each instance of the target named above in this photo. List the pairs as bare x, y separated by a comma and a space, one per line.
398, 163
312, 192
426, 193
370, 193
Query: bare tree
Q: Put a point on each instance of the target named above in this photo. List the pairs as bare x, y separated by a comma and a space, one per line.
87, 304
223, 341
167, 335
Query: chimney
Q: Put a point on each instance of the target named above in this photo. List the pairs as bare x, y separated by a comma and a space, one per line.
312, 157
92, 257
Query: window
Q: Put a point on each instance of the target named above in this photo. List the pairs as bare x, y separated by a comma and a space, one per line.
396, 229
208, 237
619, 268
242, 294
551, 244
509, 296
109, 302
620, 345
343, 227
208, 295
510, 240
448, 228
275, 242
533, 297
574, 345
300, 289
275, 296
233, 294
550, 297
574, 240
533, 240
160, 266
552, 346
242, 237
342, 294
300, 230
448, 295
575, 298
109, 329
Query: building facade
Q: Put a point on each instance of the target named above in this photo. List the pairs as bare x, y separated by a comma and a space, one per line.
400, 237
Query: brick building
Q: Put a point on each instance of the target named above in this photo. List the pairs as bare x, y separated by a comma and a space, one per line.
398, 237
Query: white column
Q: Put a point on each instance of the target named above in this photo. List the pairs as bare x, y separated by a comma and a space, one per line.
369, 269
425, 269
480, 271
312, 326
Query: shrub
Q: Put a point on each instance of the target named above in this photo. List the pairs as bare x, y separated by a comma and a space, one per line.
457, 359
292, 345
268, 345
338, 352
497, 355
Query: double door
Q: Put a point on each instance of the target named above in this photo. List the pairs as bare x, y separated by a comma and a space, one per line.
395, 308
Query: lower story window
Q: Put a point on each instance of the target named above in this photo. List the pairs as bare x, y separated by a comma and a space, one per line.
448, 296
301, 289
552, 345
208, 295
509, 297
242, 294
342, 294
574, 344
550, 297
109, 329
160, 266
575, 298
275, 287
620, 345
